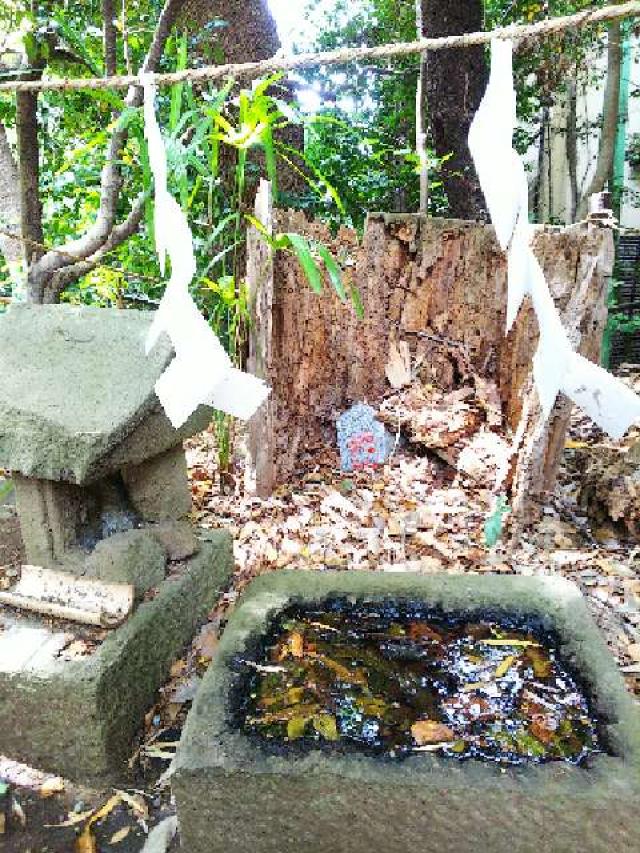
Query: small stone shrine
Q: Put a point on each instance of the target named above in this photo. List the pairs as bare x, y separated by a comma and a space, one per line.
102, 497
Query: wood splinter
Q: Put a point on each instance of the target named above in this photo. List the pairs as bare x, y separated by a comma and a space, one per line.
63, 596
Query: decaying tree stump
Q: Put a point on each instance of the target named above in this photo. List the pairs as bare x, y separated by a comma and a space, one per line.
440, 285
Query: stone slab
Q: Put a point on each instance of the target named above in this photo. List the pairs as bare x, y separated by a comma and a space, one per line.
159, 488
136, 557
79, 717
76, 389
234, 795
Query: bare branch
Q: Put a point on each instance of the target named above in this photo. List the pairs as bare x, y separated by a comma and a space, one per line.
67, 275
41, 273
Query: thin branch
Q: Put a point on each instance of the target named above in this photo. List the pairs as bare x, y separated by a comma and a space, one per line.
66, 276
334, 57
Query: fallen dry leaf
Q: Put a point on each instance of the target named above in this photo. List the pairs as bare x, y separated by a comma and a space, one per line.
296, 645
398, 368
505, 665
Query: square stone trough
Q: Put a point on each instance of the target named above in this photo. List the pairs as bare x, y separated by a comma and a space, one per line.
79, 717
235, 794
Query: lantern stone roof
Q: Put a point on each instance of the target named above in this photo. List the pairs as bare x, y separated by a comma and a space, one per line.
77, 398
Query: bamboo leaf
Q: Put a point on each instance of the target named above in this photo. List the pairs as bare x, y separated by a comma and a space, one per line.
335, 275
302, 251
356, 298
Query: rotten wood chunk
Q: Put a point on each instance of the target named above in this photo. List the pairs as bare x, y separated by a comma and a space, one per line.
64, 596
437, 287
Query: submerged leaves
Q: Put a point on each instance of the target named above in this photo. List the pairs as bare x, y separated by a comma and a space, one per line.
398, 679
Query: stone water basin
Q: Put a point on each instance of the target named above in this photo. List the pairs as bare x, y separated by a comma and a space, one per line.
317, 780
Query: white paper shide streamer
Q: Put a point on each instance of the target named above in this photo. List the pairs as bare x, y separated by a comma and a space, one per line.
556, 367
201, 372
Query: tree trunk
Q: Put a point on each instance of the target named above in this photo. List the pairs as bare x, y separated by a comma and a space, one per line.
109, 38
437, 285
455, 83
421, 136
10, 247
250, 36
604, 165
29, 159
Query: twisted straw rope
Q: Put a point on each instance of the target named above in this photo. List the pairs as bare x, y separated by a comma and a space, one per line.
333, 57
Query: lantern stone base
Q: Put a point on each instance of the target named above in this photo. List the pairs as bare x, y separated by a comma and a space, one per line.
79, 717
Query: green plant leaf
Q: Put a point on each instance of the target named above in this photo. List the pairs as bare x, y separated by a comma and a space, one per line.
326, 726
356, 298
335, 275
302, 250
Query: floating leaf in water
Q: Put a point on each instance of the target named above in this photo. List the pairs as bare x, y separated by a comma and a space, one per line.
430, 731
296, 645
86, 842
120, 835
351, 676
295, 695
422, 631
540, 662
296, 727
543, 729
325, 725
505, 665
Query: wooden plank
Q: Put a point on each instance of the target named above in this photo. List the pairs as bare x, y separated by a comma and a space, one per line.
65, 596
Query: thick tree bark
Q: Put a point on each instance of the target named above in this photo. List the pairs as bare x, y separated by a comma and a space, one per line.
250, 34
109, 37
438, 285
455, 84
29, 159
421, 136
604, 165
11, 247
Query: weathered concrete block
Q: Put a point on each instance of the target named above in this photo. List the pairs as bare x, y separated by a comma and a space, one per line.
159, 488
11, 545
177, 538
51, 517
136, 557
79, 717
234, 794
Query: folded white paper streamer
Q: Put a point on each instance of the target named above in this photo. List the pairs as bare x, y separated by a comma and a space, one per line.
201, 372
556, 367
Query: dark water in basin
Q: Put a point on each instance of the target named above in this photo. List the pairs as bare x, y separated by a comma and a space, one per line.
396, 679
